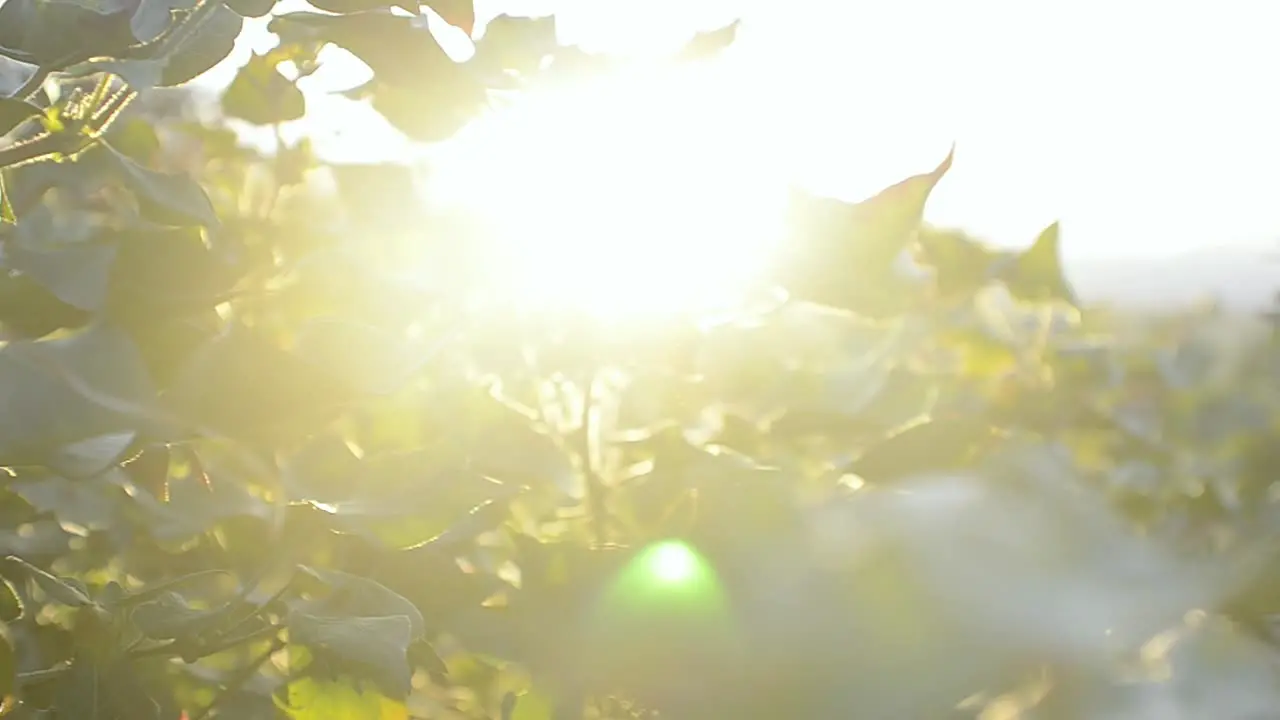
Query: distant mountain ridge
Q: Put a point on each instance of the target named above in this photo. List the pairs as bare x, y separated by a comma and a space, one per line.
1240, 278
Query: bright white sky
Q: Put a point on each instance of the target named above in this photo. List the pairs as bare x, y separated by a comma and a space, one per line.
1146, 128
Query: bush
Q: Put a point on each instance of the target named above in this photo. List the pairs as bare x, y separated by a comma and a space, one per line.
253, 471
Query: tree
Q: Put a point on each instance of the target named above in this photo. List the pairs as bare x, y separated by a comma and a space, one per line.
250, 474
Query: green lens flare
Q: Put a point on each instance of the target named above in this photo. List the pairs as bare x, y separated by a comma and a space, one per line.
672, 563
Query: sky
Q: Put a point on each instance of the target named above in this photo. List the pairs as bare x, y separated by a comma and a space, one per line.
1145, 128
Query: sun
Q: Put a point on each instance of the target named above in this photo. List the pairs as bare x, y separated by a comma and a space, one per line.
640, 193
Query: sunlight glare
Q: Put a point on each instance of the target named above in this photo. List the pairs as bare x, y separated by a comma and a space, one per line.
645, 192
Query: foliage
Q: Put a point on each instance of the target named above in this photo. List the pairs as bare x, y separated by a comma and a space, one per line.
252, 470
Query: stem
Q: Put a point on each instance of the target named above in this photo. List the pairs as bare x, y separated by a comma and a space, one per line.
39, 676
594, 484
242, 676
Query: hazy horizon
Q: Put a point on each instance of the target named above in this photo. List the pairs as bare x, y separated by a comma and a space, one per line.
1144, 130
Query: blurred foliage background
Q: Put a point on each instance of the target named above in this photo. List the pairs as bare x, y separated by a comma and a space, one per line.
258, 466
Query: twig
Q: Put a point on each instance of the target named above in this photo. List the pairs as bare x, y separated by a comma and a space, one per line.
593, 483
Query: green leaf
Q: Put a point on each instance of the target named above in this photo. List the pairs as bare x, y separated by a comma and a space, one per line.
56, 33
209, 45
13, 111
530, 705
8, 663
515, 43
254, 8
242, 384
259, 94
371, 648
843, 255
66, 390
169, 199
355, 595
1037, 275
91, 690
10, 603
364, 357
344, 7
169, 616
923, 447
458, 13
153, 17
76, 273
67, 591
400, 50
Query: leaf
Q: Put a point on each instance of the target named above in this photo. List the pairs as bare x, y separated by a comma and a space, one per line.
254, 8
355, 595
399, 50
55, 33
923, 447
168, 616
67, 591
76, 273
13, 111
209, 45
242, 384
343, 7
11, 607
530, 705
1037, 275
708, 44
54, 392
161, 273
314, 699
458, 13
843, 255
515, 43
372, 648
170, 199
90, 457
361, 356
259, 94
102, 691
153, 17
456, 100
8, 663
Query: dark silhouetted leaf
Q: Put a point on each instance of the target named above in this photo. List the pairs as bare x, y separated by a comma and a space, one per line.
153, 17
400, 50
8, 659
843, 255
245, 386
170, 616
1036, 275
57, 391
208, 45
165, 198
458, 13
516, 43
354, 595
67, 591
13, 111
343, 7
371, 648
57, 33
252, 8
76, 273
137, 73
10, 604
707, 44
259, 94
